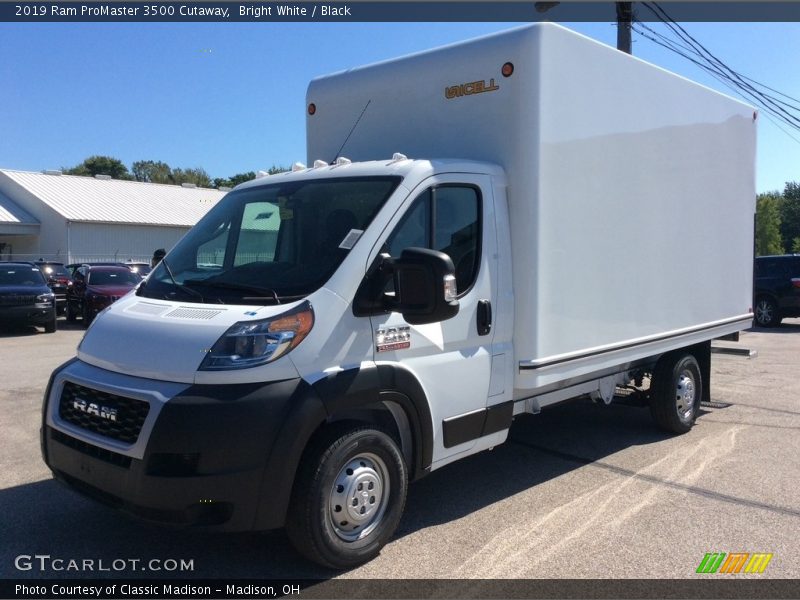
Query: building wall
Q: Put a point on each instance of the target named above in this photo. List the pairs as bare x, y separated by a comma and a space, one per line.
19, 247
51, 243
116, 242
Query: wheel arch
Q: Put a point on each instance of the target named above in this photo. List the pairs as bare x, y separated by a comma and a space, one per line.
389, 396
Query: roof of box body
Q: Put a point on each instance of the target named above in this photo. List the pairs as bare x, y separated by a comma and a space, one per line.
113, 200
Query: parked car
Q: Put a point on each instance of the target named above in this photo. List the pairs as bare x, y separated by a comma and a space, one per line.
25, 298
58, 278
96, 287
777, 289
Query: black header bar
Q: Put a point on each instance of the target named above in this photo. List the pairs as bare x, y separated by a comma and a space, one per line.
379, 11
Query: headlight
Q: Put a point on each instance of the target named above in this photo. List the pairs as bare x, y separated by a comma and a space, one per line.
45, 300
253, 343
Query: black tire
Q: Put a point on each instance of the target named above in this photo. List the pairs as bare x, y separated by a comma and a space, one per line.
676, 392
50, 326
70, 313
346, 471
766, 312
86, 316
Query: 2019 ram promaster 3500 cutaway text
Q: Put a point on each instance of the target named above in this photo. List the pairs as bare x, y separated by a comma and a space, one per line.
564, 219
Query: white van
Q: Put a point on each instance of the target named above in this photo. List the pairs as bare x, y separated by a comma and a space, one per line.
563, 219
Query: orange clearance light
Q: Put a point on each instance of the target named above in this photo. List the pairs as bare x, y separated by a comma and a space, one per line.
508, 69
312, 108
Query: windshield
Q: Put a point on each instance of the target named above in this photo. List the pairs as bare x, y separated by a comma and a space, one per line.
270, 244
21, 275
120, 277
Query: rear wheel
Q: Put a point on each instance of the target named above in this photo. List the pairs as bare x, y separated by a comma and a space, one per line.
676, 392
766, 313
348, 497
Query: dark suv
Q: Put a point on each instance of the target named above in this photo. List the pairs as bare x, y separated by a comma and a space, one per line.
777, 289
57, 277
25, 298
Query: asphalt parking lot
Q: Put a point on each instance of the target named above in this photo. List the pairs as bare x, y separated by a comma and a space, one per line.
579, 491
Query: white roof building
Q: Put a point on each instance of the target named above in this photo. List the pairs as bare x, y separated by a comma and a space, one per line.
75, 219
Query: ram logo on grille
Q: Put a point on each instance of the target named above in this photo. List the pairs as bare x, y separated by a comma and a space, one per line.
90, 408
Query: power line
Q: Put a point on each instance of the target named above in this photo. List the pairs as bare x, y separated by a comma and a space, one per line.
714, 73
766, 101
687, 46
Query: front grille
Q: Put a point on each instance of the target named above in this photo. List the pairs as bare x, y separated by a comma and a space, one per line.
110, 415
18, 300
119, 460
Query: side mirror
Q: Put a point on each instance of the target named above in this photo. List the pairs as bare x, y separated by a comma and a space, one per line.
424, 287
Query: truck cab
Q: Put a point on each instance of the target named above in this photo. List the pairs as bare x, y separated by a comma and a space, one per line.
323, 300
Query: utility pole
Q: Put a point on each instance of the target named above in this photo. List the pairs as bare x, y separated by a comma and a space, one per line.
624, 18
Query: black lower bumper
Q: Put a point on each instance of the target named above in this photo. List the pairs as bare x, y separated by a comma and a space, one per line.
26, 315
218, 456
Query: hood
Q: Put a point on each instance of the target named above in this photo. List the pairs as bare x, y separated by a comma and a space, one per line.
23, 290
166, 340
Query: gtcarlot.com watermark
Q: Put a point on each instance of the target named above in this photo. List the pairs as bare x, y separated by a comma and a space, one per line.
45, 563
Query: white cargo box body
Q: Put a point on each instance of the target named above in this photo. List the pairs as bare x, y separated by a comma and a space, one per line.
631, 190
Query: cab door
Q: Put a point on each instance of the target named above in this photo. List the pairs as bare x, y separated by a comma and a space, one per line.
451, 359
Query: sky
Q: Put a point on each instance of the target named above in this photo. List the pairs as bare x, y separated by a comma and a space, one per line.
229, 97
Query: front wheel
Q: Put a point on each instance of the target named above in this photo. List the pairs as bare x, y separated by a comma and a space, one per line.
86, 316
676, 392
348, 497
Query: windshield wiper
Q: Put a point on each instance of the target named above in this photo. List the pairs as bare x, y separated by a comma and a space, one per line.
185, 288
229, 285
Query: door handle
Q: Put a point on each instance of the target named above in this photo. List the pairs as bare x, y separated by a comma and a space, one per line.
484, 317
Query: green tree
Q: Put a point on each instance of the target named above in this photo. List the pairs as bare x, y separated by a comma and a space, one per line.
100, 165
790, 214
796, 245
273, 170
197, 176
233, 180
768, 224
152, 171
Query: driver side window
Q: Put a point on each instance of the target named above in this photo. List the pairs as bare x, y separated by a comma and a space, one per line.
444, 218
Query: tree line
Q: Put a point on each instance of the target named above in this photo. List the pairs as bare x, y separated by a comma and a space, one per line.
156, 171
778, 221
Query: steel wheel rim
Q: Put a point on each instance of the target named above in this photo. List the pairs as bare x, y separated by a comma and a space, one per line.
359, 496
764, 311
685, 395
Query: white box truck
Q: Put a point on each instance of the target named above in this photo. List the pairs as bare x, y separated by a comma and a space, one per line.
564, 219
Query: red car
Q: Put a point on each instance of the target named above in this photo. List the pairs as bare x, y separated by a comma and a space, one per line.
96, 287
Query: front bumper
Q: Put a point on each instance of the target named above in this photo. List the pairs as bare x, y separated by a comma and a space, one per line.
26, 315
214, 456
